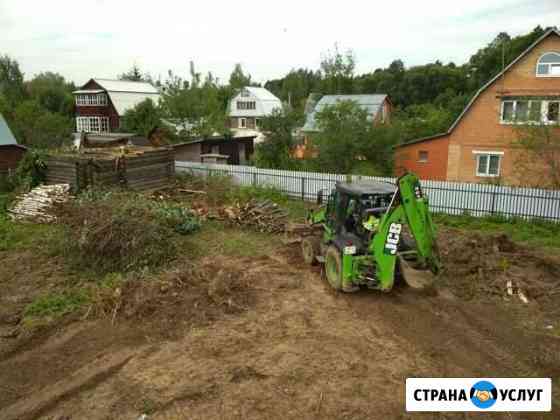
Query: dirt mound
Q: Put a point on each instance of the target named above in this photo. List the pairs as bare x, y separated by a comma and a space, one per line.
478, 266
187, 295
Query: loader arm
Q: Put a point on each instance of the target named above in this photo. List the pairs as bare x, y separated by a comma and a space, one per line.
408, 206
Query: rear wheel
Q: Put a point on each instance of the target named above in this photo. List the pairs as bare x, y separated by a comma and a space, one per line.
310, 248
333, 267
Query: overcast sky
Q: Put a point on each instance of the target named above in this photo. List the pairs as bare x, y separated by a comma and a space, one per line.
103, 38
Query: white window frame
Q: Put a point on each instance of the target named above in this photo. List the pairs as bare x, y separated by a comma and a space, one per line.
92, 99
242, 123
543, 115
545, 112
548, 65
479, 153
86, 124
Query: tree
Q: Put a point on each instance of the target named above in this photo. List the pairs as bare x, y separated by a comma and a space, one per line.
275, 151
143, 118
344, 128
135, 75
11, 81
238, 79
34, 126
338, 71
52, 92
537, 161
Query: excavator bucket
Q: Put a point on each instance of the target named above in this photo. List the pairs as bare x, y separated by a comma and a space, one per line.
415, 278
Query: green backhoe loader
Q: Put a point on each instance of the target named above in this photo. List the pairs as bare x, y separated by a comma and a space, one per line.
373, 233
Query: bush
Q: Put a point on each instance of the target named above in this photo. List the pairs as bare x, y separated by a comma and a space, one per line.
111, 231
30, 171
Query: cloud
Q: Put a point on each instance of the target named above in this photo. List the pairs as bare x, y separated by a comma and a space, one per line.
104, 38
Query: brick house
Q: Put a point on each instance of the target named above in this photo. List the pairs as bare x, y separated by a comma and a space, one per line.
378, 107
480, 146
101, 103
248, 107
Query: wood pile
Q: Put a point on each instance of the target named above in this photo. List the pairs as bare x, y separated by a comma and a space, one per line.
37, 204
263, 216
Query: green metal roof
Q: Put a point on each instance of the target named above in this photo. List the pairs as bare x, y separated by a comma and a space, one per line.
6, 136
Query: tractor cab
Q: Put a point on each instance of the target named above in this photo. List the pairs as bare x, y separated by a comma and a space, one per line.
350, 206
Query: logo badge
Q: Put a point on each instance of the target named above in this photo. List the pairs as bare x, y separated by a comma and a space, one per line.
483, 394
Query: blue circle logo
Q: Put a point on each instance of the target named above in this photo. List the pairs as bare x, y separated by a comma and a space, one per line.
483, 394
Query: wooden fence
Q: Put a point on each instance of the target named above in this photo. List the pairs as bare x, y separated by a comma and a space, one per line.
138, 171
445, 197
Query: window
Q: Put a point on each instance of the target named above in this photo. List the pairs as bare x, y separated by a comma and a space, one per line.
92, 124
105, 124
522, 110
549, 65
257, 122
242, 123
92, 99
552, 111
246, 105
423, 156
488, 163
508, 111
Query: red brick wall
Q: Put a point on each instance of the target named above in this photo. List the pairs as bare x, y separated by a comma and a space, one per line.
480, 128
435, 168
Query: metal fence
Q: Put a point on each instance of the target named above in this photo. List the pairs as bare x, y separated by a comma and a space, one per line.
445, 197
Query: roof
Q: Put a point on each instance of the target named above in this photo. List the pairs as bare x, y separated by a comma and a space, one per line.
214, 140
422, 139
124, 94
6, 136
371, 103
366, 187
266, 102
486, 86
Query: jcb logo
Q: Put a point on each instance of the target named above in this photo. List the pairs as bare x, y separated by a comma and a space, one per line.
393, 237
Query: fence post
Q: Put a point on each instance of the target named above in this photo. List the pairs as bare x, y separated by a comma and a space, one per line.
303, 188
255, 179
493, 200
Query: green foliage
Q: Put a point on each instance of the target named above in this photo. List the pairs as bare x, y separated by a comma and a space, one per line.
295, 87
135, 75
15, 236
37, 127
238, 79
56, 304
11, 81
182, 220
247, 193
143, 118
347, 136
199, 107
53, 93
30, 172
338, 71
274, 151
533, 231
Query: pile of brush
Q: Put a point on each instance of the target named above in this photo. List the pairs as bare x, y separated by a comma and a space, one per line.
37, 205
263, 216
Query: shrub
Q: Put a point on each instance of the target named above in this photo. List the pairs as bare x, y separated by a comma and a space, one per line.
30, 171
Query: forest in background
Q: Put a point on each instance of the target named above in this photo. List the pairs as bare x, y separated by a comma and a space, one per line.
427, 98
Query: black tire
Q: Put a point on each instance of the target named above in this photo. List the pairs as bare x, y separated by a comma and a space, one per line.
333, 267
310, 249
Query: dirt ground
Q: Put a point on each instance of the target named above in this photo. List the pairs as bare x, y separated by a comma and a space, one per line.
265, 337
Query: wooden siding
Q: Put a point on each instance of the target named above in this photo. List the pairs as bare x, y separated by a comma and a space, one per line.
149, 170
10, 155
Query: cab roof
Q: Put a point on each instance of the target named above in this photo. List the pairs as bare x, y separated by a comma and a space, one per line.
365, 188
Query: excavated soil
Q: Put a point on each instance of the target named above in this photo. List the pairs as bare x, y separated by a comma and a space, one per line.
265, 337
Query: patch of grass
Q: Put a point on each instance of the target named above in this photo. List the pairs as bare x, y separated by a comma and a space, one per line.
215, 238
536, 231
56, 304
14, 236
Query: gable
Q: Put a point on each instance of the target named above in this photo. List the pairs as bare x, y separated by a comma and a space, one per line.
6, 135
525, 58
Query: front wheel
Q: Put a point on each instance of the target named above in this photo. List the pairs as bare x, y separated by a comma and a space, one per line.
333, 267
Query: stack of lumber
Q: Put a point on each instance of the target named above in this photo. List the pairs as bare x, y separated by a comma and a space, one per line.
37, 204
263, 216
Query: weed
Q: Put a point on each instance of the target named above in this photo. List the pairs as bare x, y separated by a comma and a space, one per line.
56, 304
534, 231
